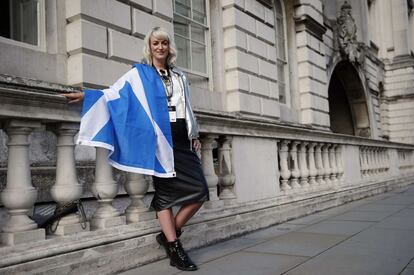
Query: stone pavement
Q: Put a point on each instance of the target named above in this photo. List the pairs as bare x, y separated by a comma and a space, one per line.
370, 236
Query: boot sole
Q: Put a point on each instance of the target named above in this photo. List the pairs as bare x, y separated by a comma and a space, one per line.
183, 268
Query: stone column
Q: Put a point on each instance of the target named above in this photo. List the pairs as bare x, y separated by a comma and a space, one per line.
284, 168
332, 161
303, 166
67, 188
212, 179
105, 189
312, 167
326, 165
339, 165
137, 186
294, 183
319, 164
226, 178
19, 195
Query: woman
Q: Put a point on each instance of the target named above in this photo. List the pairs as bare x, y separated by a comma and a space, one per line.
188, 189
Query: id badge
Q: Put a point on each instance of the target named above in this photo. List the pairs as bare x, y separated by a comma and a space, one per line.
173, 113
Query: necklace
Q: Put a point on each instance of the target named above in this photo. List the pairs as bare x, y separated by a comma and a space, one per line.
167, 81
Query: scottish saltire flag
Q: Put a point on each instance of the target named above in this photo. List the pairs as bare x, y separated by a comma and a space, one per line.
131, 119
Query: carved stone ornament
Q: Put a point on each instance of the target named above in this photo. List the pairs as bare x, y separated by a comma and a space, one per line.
349, 46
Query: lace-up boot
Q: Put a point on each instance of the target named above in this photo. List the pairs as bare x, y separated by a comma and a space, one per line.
179, 258
162, 240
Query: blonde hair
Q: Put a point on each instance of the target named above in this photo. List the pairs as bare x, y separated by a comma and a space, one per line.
159, 33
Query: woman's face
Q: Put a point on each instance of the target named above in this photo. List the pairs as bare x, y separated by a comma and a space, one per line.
160, 48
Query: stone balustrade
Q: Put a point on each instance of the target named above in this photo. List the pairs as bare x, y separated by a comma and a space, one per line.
310, 170
374, 161
318, 165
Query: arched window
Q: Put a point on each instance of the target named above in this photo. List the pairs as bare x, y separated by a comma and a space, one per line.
281, 50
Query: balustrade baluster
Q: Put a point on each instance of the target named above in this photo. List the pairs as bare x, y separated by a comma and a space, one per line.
319, 164
212, 179
284, 168
311, 161
226, 178
326, 165
294, 183
332, 161
104, 189
19, 195
339, 164
136, 186
303, 166
67, 188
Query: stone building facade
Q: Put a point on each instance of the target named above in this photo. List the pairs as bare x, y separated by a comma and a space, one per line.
303, 105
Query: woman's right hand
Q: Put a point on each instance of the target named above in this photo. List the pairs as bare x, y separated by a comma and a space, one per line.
74, 97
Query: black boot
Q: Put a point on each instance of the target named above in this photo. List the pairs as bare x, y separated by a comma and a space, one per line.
179, 258
162, 240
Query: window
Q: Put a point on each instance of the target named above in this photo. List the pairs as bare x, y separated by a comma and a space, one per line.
281, 51
190, 32
20, 20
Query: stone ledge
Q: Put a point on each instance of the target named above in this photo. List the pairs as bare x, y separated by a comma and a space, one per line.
128, 246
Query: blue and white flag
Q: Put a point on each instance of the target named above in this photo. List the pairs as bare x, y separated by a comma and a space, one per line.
131, 119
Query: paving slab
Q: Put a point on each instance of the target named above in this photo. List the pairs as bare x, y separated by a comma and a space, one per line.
407, 212
219, 250
299, 244
336, 227
393, 241
398, 200
354, 215
250, 263
377, 206
346, 260
308, 220
408, 271
272, 232
397, 222
157, 268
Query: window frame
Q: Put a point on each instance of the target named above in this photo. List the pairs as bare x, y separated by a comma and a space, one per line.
41, 30
207, 36
284, 62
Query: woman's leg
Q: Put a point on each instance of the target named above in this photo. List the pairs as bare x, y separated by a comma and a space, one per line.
167, 223
185, 213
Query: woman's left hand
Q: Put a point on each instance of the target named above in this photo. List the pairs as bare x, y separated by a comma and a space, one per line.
196, 144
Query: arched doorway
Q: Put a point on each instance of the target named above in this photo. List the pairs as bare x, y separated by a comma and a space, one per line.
348, 110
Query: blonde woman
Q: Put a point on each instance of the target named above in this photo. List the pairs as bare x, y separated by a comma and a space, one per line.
185, 186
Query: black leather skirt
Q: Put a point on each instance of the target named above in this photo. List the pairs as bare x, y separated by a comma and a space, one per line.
189, 185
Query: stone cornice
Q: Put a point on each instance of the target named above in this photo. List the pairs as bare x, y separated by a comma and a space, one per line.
307, 23
22, 98
223, 124
400, 62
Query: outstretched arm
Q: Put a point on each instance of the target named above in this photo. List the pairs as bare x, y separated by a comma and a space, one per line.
74, 97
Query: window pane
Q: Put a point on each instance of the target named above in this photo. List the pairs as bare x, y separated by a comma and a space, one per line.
29, 22
181, 28
278, 7
182, 7
281, 48
183, 55
279, 24
282, 93
4, 19
280, 72
198, 57
197, 34
19, 20
199, 11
